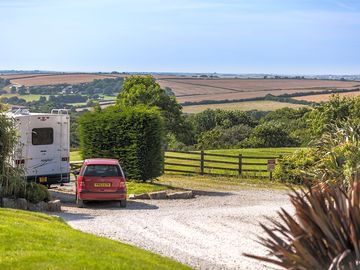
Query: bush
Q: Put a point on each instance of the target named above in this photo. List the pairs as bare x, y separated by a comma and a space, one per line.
12, 184
292, 168
37, 193
323, 234
134, 135
335, 158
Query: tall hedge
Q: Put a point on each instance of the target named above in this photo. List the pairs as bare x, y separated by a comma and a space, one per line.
133, 135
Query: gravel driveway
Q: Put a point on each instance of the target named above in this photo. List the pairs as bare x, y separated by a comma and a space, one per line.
210, 231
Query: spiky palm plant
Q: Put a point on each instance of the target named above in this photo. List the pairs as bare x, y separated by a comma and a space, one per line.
323, 234
338, 152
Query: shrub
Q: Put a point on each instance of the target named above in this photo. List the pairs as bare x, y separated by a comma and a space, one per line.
323, 234
12, 184
335, 158
292, 168
134, 135
36, 193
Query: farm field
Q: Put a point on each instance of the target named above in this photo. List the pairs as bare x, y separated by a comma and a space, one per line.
195, 90
50, 79
263, 105
326, 97
34, 241
24, 75
28, 98
255, 152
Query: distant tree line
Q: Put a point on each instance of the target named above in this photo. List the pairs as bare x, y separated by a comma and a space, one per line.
108, 86
3, 83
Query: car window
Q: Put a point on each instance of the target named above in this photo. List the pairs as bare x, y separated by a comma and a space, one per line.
103, 170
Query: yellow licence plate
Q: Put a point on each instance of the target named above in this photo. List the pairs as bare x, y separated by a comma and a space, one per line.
43, 179
102, 185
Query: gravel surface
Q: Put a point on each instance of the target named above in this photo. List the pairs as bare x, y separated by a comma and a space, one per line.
211, 231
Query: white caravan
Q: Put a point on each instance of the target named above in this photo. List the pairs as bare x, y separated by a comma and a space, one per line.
43, 147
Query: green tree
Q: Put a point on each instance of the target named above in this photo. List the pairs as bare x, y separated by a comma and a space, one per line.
269, 135
143, 90
335, 111
13, 90
209, 119
22, 90
220, 138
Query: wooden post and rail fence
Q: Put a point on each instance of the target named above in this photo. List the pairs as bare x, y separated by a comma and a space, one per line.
202, 163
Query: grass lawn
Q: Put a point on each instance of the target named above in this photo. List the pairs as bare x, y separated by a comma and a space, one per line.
218, 183
35, 241
75, 156
134, 187
109, 98
261, 105
251, 152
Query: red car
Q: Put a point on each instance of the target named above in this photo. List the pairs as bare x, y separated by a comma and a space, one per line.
100, 180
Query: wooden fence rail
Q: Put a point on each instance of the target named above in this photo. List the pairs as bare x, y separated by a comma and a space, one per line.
218, 164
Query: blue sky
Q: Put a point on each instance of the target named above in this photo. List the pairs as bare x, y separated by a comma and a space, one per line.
244, 36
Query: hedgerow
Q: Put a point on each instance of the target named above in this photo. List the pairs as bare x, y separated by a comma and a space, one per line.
133, 135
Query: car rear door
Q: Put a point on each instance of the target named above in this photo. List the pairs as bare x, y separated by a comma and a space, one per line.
102, 178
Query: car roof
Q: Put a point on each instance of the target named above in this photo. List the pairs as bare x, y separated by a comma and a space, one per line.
101, 161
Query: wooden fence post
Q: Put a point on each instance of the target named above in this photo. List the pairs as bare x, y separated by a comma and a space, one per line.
240, 164
202, 162
163, 161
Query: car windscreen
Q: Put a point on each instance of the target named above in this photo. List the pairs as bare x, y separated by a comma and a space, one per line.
103, 170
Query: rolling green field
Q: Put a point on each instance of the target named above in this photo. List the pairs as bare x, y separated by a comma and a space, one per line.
249, 163
28, 98
262, 105
32, 241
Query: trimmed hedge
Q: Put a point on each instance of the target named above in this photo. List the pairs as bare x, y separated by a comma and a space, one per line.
133, 135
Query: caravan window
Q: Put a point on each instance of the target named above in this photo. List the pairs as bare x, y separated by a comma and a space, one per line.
42, 136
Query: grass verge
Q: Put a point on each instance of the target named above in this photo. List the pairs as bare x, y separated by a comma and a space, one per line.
217, 183
37, 241
134, 187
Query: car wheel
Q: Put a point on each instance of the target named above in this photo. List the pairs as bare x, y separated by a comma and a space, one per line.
80, 203
123, 204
